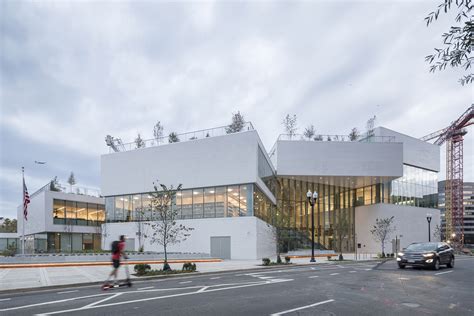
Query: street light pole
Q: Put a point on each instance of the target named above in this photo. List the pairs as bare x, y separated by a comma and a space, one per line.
312, 197
428, 218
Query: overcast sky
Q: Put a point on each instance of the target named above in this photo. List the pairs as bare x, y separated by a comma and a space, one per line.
72, 73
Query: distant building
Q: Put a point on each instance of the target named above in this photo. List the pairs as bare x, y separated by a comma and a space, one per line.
231, 186
62, 222
468, 202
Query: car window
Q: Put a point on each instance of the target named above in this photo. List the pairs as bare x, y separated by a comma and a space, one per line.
428, 246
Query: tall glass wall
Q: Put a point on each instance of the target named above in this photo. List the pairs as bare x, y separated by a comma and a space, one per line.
211, 202
417, 187
78, 213
333, 213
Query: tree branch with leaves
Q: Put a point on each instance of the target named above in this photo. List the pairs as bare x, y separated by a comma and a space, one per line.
382, 230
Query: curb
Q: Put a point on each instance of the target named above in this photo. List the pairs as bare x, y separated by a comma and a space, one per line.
97, 263
380, 263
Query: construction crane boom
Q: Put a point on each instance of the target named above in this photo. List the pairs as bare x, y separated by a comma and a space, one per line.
453, 136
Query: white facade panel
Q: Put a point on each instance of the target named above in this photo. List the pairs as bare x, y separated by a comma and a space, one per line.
324, 158
415, 152
410, 223
244, 233
213, 161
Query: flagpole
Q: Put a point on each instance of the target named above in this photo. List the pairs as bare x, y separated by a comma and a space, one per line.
23, 200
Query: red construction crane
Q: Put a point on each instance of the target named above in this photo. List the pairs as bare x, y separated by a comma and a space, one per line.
453, 136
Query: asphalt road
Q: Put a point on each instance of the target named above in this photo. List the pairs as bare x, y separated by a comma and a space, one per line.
346, 289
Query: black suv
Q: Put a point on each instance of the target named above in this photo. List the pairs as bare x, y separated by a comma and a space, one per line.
426, 254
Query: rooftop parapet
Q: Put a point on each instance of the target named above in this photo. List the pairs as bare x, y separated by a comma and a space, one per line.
56, 186
118, 146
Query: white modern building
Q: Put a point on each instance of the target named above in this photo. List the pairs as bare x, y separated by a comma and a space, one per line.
232, 186
62, 221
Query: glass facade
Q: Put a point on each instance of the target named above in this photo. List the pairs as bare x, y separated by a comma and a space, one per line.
210, 202
78, 213
417, 187
68, 242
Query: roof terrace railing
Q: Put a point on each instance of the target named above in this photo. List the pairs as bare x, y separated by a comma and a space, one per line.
184, 137
339, 138
59, 187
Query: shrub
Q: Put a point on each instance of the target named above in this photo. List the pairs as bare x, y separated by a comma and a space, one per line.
166, 266
141, 249
189, 266
278, 259
141, 268
266, 261
287, 259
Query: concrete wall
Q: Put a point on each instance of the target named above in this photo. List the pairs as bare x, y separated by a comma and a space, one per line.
244, 233
415, 152
308, 158
36, 222
410, 222
213, 161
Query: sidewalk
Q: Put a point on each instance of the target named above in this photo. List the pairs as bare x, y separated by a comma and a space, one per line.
23, 278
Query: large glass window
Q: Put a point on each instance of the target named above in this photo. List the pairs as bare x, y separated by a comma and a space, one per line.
59, 211
137, 211
119, 210
127, 206
233, 201
221, 202
81, 213
187, 204
71, 211
198, 201
209, 202
146, 204
110, 209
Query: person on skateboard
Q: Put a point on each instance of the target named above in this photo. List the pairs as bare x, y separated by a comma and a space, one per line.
118, 247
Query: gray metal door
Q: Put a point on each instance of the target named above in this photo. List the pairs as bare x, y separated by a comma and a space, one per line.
220, 247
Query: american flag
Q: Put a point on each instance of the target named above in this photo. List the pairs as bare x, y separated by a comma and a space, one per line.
26, 200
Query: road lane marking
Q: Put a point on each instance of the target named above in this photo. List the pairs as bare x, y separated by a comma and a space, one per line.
203, 289
334, 273
184, 282
353, 271
314, 276
103, 300
5, 299
145, 288
166, 296
264, 278
302, 307
64, 292
443, 272
403, 278
52, 302
367, 269
215, 278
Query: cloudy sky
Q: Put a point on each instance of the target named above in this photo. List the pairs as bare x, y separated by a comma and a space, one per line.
73, 72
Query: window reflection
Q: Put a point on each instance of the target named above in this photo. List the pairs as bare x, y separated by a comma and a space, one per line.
198, 201
221, 202
233, 201
209, 203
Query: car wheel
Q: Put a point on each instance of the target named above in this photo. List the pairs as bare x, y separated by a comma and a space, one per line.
451, 263
436, 264
401, 266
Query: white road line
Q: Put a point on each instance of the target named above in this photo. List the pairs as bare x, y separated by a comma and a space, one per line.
367, 269
334, 273
166, 296
313, 276
443, 272
403, 278
51, 302
184, 282
4, 299
145, 288
214, 278
302, 307
353, 271
203, 289
64, 292
264, 278
101, 301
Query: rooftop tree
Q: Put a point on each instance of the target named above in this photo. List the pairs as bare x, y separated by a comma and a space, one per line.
173, 138
290, 125
237, 124
354, 134
158, 130
309, 132
139, 142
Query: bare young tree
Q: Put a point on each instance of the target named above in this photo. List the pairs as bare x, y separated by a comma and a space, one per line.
437, 233
139, 143
309, 132
290, 125
370, 126
158, 130
71, 180
458, 41
164, 227
280, 225
342, 229
354, 134
382, 230
237, 124
173, 138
